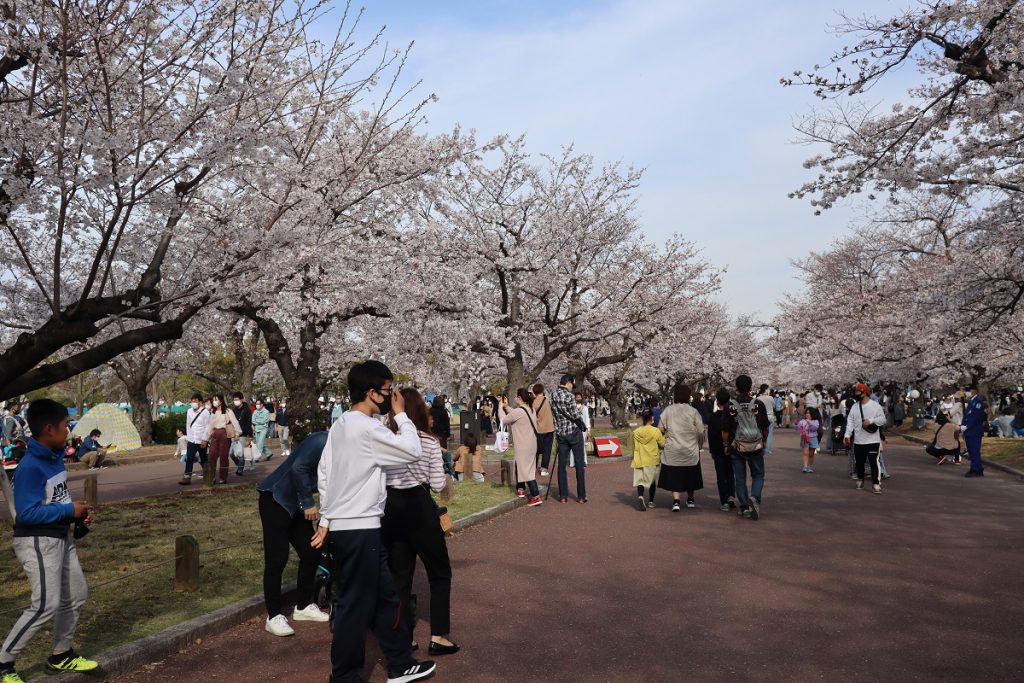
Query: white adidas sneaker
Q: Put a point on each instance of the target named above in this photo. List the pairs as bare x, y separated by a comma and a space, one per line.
279, 626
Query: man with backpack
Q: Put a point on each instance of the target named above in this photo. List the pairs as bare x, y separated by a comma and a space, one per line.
745, 432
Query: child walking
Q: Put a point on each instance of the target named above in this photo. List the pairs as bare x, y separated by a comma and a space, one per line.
647, 444
45, 546
809, 437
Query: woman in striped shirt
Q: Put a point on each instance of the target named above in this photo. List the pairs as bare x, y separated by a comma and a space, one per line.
411, 527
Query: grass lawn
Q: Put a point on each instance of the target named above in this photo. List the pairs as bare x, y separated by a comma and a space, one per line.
130, 536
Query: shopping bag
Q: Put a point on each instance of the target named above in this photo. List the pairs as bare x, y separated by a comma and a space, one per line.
501, 440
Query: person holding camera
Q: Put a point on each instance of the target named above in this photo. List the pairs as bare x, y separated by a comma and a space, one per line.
523, 424
411, 527
863, 430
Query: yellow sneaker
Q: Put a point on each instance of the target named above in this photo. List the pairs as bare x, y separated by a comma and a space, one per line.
11, 677
70, 662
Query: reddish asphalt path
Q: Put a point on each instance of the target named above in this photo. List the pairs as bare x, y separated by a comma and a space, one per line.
919, 583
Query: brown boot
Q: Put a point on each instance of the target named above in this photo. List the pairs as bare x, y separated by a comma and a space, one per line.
185, 481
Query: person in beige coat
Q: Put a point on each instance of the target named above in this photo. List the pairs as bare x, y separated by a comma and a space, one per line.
545, 427
684, 438
523, 426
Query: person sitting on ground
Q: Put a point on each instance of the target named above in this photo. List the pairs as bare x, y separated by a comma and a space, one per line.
91, 452
946, 442
647, 444
1018, 423
470, 448
1003, 425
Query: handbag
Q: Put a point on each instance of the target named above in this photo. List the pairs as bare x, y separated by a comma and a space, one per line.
501, 440
443, 517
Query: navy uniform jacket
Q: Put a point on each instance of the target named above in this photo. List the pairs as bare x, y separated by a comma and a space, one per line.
974, 417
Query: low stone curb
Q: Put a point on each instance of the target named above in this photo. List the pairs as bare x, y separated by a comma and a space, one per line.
988, 463
133, 656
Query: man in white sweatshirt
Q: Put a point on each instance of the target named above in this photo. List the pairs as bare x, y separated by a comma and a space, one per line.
863, 423
351, 483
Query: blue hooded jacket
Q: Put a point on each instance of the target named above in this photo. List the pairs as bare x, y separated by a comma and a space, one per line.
42, 500
294, 480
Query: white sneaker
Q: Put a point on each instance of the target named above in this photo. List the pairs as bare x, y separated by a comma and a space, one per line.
310, 613
279, 626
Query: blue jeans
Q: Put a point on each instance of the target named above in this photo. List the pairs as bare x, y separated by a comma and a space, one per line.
974, 451
768, 443
739, 469
574, 443
544, 441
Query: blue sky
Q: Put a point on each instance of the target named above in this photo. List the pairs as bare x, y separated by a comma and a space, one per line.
688, 90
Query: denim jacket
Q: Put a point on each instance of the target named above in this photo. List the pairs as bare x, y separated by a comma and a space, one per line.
294, 480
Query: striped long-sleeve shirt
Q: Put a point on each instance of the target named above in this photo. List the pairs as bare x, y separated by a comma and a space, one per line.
429, 469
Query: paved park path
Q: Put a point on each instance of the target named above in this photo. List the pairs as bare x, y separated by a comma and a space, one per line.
920, 583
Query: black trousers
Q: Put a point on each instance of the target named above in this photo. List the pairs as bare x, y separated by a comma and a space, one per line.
279, 531
544, 442
411, 528
867, 452
366, 599
725, 477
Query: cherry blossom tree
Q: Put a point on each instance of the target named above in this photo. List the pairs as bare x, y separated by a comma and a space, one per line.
931, 285
141, 161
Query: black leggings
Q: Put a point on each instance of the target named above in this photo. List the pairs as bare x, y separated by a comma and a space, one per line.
411, 528
650, 494
279, 530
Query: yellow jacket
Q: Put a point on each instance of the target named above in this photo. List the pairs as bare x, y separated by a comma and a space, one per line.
647, 444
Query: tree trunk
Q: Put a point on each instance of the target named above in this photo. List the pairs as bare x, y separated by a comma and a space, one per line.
142, 418
515, 374
617, 407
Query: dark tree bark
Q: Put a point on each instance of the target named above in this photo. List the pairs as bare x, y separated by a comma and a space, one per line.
136, 372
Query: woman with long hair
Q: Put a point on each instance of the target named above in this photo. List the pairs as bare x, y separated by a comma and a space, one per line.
470, 451
219, 439
523, 425
808, 428
411, 527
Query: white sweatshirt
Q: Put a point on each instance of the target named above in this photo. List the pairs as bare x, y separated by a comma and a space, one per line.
873, 413
351, 477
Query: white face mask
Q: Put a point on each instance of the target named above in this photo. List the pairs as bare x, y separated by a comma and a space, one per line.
238, 403
195, 406
216, 404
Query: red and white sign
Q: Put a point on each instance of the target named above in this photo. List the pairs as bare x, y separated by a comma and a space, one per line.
607, 446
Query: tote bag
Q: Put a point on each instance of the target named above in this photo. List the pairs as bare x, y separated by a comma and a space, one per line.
501, 439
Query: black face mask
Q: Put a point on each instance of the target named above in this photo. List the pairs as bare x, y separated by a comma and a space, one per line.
385, 405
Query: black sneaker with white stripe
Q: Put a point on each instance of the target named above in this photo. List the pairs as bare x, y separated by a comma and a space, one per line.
419, 671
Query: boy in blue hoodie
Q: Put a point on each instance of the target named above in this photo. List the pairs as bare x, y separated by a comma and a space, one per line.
43, 543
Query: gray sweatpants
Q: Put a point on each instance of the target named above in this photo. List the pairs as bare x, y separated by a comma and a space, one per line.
58, 588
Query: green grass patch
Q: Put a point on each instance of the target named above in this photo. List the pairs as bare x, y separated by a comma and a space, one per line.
1009, 452
130, 536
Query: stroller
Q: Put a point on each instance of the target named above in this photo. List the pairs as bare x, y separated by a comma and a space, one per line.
836, 434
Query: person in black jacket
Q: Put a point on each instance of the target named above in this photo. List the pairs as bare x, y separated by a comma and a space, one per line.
244, 416
441, 427
723, 464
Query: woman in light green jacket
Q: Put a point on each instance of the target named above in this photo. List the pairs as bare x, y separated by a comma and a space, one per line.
260, 426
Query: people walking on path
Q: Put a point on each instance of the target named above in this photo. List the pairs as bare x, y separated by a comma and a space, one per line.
545, 427
863, 425
974, 428
287, 515
684, 438
221, 429
569, 429
522, 424
647, 444
197, 419
243, 441
808, 428
787, 411
260, 429
764, 396
282, 428
351, 482
45, 545
746, 431
724, 474
411, 527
